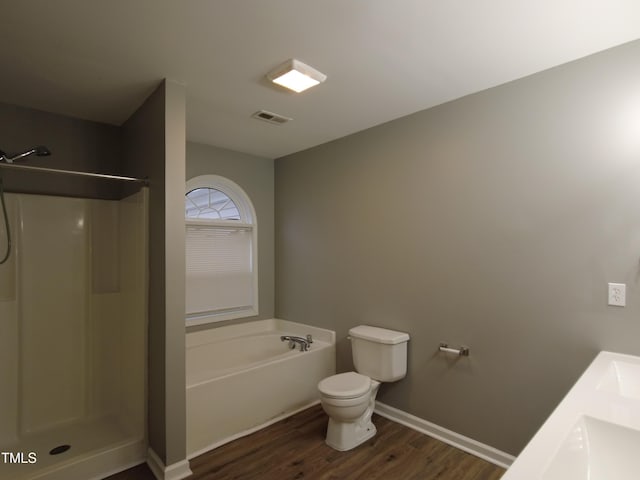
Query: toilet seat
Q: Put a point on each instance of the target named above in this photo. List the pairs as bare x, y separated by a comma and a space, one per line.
345, 386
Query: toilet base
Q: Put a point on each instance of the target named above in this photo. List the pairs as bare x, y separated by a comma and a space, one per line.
343, 436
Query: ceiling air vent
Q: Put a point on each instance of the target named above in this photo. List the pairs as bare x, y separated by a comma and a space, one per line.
271, 117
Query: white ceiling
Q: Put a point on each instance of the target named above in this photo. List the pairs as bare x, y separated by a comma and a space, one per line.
99, 59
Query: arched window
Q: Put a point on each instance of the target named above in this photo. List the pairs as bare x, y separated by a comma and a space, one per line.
221, 251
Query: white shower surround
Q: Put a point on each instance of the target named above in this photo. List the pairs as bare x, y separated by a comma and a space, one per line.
243, 377
73, 336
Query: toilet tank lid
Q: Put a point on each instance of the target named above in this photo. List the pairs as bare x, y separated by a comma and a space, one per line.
379, 335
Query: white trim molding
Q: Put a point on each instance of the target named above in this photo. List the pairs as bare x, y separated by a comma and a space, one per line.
454, 439
176, 471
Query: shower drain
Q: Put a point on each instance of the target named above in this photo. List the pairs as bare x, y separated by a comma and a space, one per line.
59, 449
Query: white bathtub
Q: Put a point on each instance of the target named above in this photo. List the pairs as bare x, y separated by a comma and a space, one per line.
242, 377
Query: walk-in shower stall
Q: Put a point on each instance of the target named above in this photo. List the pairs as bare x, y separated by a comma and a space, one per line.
73, 313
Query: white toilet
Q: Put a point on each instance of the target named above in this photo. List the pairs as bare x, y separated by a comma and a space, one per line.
379, 355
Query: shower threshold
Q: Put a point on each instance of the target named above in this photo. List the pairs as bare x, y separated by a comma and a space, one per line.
97, 447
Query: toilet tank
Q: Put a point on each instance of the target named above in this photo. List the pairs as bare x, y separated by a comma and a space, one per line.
379, 353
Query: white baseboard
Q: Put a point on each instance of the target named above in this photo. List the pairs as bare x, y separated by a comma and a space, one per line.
454, 439
176, 471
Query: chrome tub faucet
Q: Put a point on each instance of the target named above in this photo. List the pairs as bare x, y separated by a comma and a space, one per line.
293, 340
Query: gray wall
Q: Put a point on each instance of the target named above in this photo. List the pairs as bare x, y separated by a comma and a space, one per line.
494, 221
255, 176
154, 147
174, 290
75, 145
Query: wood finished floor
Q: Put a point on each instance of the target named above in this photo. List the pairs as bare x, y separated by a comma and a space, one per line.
294, 448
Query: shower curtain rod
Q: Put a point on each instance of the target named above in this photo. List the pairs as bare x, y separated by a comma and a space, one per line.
105, 176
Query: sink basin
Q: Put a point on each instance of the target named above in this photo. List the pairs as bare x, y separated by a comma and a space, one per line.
594, 432
622, 378
596, 450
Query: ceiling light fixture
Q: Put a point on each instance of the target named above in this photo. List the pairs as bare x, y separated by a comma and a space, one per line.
296, 76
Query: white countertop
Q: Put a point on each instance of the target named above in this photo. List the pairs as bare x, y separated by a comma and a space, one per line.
594, 433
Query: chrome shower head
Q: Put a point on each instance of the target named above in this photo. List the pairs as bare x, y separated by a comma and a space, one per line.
40, 151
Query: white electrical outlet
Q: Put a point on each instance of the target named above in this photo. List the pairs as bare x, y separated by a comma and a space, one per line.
617, 294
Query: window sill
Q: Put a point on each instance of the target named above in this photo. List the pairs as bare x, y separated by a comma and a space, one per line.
194, 319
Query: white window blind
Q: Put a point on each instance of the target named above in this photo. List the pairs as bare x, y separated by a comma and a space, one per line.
219, 268
221, 251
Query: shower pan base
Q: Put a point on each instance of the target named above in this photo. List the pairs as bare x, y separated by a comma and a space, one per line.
98, 448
